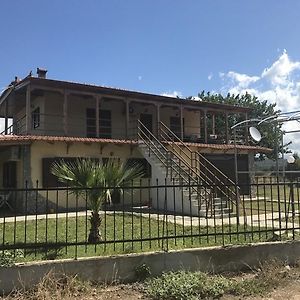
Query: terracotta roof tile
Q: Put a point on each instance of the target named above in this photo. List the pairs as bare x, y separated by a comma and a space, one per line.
228, 147
24, 139
33, 138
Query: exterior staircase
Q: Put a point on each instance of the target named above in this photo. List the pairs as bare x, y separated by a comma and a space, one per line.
187, 190
221, 185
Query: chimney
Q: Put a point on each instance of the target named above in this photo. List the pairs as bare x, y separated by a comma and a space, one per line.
41, 73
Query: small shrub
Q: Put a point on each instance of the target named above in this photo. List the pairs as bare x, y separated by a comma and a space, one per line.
8, 258
186, 285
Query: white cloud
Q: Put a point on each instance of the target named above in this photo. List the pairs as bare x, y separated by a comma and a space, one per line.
278, 83
172, 94
280, 71
140, 77
210, 76
242, 80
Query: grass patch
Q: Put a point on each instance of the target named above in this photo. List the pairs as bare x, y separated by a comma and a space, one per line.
255, 207
121, 233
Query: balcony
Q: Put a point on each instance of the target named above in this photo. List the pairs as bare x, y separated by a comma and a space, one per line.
54, 125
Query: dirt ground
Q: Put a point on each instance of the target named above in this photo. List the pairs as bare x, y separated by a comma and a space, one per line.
290, 291
128, 292
51, 288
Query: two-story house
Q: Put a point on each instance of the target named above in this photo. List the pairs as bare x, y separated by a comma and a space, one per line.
46, 120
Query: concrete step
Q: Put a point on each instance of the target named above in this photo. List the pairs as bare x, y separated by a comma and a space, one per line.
223, 210
225, 215
220, 206
220, 201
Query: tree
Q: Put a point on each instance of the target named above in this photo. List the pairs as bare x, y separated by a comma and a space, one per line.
96, 181
272, 135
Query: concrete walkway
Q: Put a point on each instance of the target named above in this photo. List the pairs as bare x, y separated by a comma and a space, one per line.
263, 220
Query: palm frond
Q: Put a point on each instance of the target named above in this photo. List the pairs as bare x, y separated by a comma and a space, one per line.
94, 179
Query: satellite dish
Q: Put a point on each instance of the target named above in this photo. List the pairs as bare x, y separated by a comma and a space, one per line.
255, 134
291, 159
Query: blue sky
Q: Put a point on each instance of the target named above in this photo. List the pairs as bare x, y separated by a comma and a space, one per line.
165, 47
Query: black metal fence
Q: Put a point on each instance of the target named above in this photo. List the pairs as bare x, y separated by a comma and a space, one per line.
146, 216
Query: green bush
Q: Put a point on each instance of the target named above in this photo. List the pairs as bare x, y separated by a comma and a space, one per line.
8, 258
197, 285
186, 285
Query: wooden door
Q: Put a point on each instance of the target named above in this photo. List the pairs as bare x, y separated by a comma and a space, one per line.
146, 120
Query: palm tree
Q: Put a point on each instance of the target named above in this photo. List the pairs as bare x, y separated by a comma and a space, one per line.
98, 182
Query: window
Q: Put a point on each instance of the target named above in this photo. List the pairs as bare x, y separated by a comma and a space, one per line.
142, 162
50, 180
91, 122
35, 116
105, 123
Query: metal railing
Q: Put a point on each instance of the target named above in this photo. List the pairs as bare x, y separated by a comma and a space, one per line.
53, 124
200, 166
49, 223
175, 165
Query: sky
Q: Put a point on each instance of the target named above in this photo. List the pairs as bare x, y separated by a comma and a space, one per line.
169, 47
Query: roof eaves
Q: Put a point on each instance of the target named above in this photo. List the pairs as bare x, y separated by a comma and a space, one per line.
123, 92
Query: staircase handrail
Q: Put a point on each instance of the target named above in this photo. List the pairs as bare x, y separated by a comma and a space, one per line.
199, 173
140, 135
163, 128
158, 141
188, 149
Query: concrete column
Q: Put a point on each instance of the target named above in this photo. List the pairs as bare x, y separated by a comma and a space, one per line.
200, 123
205, 126
6, 117
226, 128
97, 104
157, 118
181, 122
127, 118
28, 111
213, 123
65, 113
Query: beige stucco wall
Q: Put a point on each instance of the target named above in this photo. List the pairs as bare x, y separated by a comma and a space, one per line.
40, 150
191, 119
52, 110
53, 114
191, 123
76, 121
167, 112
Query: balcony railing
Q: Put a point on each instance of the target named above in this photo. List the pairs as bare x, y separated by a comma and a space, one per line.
53, 125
